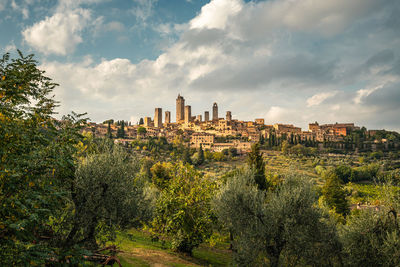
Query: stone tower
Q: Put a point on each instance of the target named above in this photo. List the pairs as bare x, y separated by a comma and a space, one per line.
158, 118
228, 116
180, 109
188, 114
167, 116
215, 112
206, 116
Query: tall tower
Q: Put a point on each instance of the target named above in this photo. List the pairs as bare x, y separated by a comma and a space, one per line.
228, 116
188, 114
180, 109
206, 116
215, 112
158, 118
167, 116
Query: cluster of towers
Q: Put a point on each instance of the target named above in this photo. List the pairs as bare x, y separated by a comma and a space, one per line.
184, 114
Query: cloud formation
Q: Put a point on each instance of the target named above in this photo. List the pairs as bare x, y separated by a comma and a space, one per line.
289, 61
60, 33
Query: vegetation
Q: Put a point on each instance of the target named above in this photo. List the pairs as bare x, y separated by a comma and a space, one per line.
64, 194
183, 210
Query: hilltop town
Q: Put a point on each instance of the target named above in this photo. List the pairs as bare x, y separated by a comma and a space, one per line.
217, 134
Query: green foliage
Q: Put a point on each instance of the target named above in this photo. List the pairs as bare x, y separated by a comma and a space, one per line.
141, 130
300, 150
283, 227
36, 165
106, 195
109, 132
218, 156
285, 147
161, 174
183, 211
334, 194
256, 164
372, 239
121, 130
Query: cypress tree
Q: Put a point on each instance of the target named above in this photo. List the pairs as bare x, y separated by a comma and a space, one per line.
257, 165
109, 133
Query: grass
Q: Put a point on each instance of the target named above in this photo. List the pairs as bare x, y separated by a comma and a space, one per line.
140, 250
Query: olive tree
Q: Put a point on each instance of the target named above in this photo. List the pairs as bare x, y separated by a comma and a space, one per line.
283, 227
372, 237
106, 194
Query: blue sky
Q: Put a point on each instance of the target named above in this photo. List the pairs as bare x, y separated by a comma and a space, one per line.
288, 61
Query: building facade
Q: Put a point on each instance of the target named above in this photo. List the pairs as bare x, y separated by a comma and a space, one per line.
158, 118
215, 112
206, 116
228, 116
167, 116
180, 109
188, 114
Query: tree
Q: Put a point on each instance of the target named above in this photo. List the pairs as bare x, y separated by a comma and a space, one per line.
109, 133
200, 156
36, 165
334, 194
256, 164
106, 195
261, 140
285, 147
121, 130
183, 211
186, 156
161, 174
141, 131
282, 228
371, 238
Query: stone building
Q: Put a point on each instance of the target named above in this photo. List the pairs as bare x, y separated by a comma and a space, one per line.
180, 109
228, 116
188, 114
215, 112
287, 128
206, 116
198, 118
158, 118
167, 116
259, 121
203, 139
147, 121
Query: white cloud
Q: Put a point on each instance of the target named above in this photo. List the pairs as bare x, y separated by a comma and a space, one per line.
364, 93
317, 99
60, 33
216, 14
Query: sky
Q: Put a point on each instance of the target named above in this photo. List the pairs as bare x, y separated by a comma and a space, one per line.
287, 61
